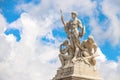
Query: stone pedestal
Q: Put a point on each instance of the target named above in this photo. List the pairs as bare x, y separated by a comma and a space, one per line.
78, 71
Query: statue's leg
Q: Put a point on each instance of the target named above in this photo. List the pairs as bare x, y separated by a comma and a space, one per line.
87, 62
72, 43
61, 57
75, 55
76, 51
77, 45
86, 54
69, 59
93, 63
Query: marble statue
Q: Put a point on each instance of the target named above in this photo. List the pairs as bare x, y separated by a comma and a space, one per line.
80, 50
77, 58
88, 53
73, 34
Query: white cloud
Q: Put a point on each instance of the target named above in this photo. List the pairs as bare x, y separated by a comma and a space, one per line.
4, 48
29, 58
111, 11
112, 32
4, 45
108, 69
3, 24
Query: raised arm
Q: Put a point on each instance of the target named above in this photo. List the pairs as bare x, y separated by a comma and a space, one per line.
62, 18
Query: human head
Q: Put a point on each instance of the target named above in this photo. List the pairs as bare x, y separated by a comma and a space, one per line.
74, 14
90, 39
65, 42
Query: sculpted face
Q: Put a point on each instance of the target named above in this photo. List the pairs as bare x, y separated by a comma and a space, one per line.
73, 16
90, 40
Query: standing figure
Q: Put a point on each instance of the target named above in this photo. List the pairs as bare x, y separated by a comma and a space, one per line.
73, 33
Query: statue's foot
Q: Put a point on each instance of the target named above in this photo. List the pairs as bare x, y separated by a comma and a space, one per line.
74, 60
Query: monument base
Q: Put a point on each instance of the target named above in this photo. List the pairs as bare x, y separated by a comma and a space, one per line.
78, 71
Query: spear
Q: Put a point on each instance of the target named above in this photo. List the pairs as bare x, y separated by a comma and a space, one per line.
62, 18
61, 12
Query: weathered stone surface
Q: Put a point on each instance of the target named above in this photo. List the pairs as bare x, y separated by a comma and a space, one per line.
77, 59
79, 71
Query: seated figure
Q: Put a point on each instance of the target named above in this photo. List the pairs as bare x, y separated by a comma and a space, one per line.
66, 54
88, 52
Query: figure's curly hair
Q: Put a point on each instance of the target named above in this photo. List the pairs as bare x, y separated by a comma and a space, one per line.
75, 13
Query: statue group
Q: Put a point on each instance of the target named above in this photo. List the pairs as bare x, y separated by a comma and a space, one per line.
72, 50
77, 57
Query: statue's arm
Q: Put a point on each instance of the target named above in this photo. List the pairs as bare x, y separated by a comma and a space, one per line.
80, 24
61, 48
95, 50
63, 51
82, 28
83, 45
62, 19
95, 47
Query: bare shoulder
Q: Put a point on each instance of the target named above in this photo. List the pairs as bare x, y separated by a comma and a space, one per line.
78, 20
94, 44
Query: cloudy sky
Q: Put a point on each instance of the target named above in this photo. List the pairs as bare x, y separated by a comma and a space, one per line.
31, 32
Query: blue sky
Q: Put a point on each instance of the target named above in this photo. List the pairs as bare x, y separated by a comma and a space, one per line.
8, 10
